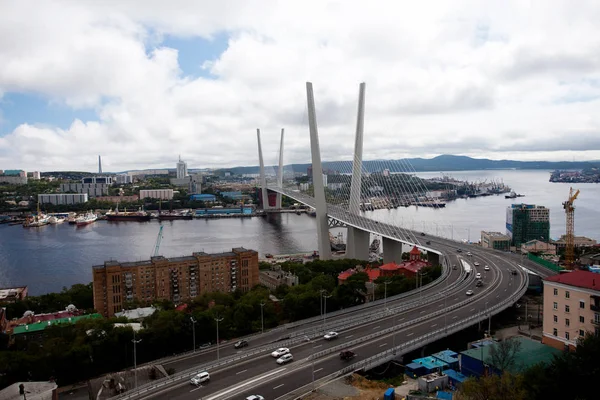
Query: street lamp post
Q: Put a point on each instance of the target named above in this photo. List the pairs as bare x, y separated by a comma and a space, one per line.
385, 294
218, 320
135, 342
321, 299
193, 332
325, 310
262, 321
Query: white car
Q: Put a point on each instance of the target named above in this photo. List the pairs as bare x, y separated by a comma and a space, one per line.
279, 352
476, 264
255, 397
469, 292
285, 358
486, 268
330, 335
469, 254
199, 378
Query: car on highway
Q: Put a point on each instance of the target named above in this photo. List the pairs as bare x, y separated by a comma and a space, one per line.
255, 397
279, 352
428, 242
285, 358
422, 233
458, 250
476, 264
513, 272
454, 267
478, 275
486, 268
347, 354
479, 283
240, 343
469, 292
469, 254
199, 378
330, 335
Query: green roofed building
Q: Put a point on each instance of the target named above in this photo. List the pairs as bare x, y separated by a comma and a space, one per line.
525, 222
474, 362
37, 328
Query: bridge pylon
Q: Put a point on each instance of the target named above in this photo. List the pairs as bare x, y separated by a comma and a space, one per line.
317, 178
280, 173
263, 178
357, 245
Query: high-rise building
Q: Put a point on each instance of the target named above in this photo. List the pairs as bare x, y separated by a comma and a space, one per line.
176, 279
181, 169
525, 222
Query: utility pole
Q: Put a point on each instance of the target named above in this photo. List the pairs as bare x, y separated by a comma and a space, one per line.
385, 294
262, 322
218, 320
321, 300
193, 332
325, 310
135, 342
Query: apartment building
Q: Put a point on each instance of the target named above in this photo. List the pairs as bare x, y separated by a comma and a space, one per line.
176, 279
571, 308
62, 198
161, 194
495, 240
525, 222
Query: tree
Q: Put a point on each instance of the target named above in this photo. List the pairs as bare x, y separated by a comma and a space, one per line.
503, 354
493, 387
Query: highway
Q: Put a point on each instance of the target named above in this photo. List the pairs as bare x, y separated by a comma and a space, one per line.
361, 329
270, 380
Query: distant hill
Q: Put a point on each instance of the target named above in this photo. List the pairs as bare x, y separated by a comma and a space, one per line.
441, 163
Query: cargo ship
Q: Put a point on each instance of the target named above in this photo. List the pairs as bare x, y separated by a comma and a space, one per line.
117, 215
86, 219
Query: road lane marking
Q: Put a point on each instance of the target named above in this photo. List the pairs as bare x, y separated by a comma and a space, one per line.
497, 296
237, 387
241, 372
381, 345
317, 370
277, 387
433, 325
456, 298
378, 326
317, 346
349, 336
412, 333
456, 316
423, 311
401, 319
472, 309
199, 387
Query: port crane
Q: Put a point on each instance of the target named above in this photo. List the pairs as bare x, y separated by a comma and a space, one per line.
570, 236
158, 240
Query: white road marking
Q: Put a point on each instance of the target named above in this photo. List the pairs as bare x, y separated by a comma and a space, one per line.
238, 387
408, 334
433, 325
277, 387
456, 298
505, 289
401, 319
317, 346
472, 309
349, 336
381, 345
423, 311
377, 327
497, 296
456, 316
241, 372
193, 390
317, 370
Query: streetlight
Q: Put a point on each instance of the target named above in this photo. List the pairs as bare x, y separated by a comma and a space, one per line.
325, 309
218, 320
321, 299
262, 323
135, 342
385, 294
193, 332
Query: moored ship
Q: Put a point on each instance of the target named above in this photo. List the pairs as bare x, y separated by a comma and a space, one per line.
127, 215
86, 219
172, 215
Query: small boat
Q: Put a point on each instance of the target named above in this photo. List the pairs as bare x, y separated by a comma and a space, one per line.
512, 195
268, 255
54, 220
86, 219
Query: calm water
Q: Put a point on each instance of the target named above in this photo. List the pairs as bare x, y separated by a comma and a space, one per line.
48, 258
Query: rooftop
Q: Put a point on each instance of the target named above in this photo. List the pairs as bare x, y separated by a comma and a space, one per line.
448, 356
137, 313
431, 362
40, 326
34, 390
6, 293
495, 234
582, 279
531, 353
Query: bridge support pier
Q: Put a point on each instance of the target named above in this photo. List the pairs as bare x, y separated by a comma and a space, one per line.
392, 251
433, 258
318, 186
357, 246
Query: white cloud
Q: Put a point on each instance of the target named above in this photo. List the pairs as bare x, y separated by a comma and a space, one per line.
496, 79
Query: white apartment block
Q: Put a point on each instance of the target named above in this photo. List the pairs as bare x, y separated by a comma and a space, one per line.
63, 198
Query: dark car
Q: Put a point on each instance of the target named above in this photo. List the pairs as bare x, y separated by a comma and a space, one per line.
422, 233
347, 354
240, 343
428, 242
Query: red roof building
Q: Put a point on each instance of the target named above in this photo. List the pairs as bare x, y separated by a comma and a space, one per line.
373, 273
581, 279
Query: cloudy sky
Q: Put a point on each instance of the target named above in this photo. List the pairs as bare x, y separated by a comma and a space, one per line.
141, 82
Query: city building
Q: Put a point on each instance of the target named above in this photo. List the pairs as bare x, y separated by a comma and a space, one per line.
175, 279
62, 198
34, 391
571, 308
182, 171
275, 278
138, 314
35, 330
121, 199
195, 184
93, 186
525, 222
161, 194
409, 268
495, 240
538, 247
13, 177
12, 294
590, 259
578, 241
36, 176
207, 198
124, 179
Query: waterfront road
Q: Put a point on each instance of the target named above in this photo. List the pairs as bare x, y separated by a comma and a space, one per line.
261, 375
